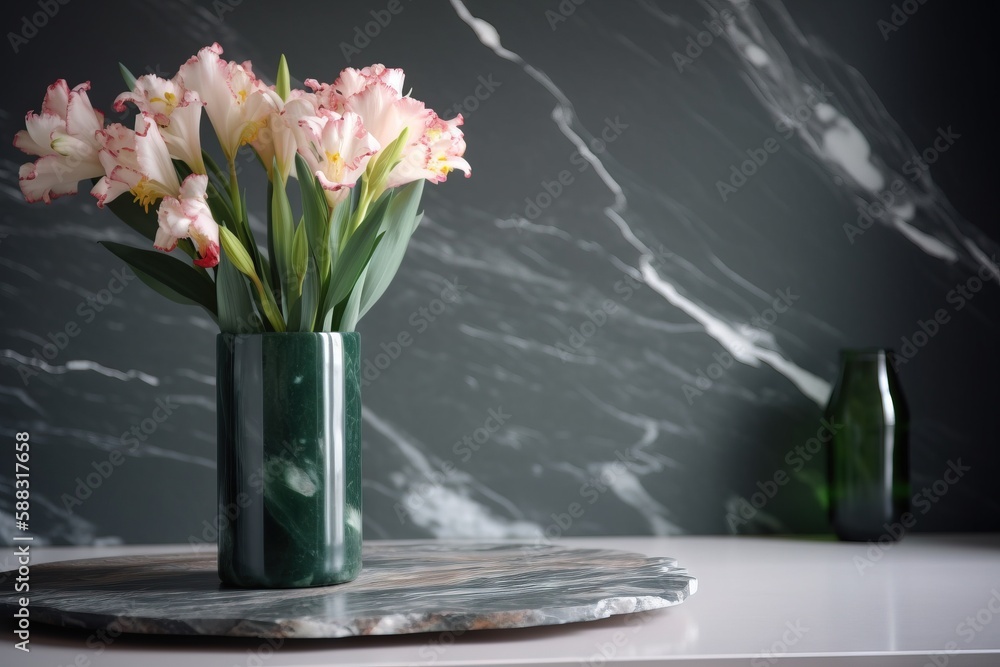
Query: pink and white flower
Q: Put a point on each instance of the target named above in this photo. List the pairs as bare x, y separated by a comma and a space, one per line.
353, 81
237, 103
283, 135
63, 136
188, 216
177, 112
434, 146
135, 161
337, 149
438, 152
376, 94
386, 115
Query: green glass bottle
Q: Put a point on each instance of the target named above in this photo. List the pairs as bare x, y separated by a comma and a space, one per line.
869, 456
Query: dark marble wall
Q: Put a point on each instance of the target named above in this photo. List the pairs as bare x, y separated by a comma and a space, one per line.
643, 286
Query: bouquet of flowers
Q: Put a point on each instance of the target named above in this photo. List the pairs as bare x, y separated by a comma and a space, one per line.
359, 148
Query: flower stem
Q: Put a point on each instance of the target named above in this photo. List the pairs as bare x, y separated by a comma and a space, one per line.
234, 191
213, 167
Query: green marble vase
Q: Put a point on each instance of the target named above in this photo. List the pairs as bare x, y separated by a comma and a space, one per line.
289, 466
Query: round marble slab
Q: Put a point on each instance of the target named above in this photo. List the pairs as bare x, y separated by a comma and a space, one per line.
403, 588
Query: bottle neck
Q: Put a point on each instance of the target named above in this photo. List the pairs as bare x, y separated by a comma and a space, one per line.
869, 372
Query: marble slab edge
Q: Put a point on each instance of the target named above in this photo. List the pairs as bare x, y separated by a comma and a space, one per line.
403, 589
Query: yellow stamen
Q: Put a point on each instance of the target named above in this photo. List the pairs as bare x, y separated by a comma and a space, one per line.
251, 131
443, 169
145, 194
168, 100
338, 165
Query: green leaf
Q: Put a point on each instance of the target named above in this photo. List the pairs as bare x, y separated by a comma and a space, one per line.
317, 216
357, 196
386, 160
214, 170
401, 220
169, 293
309, 301
300, 256
251, 241
280, 236
344, 316
270, 236
246, 236
128, 76
294, 315
236, 311
339, 220
144, 222
302, 314
352, 309
357, 251
282, 84
178, 277
242, 261
248, 242
221, 206
133, 215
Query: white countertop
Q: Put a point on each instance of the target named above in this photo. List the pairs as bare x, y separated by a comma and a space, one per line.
930, 599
